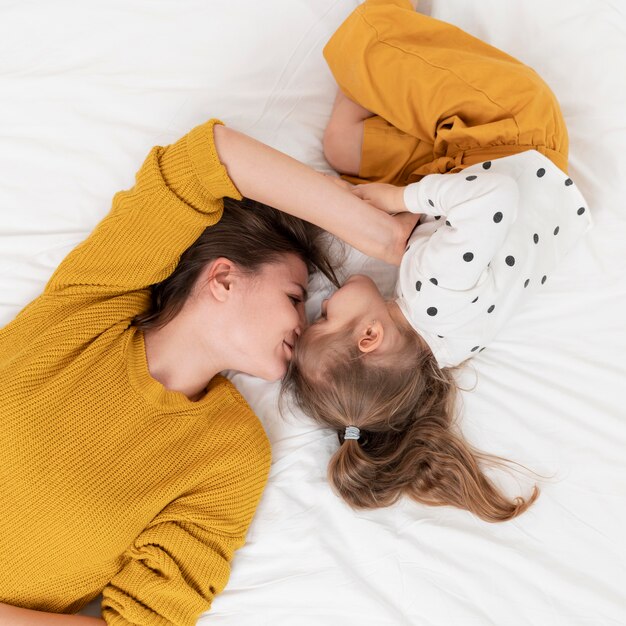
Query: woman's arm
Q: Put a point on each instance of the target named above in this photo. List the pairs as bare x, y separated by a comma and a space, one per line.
271, 177
15, 616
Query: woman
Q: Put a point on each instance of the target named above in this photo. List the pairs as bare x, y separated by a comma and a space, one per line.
130, 466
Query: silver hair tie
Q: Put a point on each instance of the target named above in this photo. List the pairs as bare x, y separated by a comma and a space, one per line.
352, 432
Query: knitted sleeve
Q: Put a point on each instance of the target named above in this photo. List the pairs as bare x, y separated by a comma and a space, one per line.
177, 193
177, 565
474, 214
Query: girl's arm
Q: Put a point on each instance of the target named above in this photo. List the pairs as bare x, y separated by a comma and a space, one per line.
271, 177
15, 616
475, 213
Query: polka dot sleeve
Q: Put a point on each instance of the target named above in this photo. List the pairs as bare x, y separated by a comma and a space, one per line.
474, 213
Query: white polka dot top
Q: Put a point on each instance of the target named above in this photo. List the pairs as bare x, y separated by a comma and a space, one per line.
489, 236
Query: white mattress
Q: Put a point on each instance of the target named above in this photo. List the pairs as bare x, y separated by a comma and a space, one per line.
86, 88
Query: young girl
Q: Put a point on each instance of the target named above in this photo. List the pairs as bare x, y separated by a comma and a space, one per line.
485, 138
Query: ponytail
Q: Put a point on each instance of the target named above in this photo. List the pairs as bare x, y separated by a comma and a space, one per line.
407, 443
447, 472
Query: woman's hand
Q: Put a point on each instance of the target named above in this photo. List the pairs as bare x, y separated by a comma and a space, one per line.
387, 198
16, 616
406, 223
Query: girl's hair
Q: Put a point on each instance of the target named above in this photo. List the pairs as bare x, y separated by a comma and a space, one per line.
404, 410
250, 234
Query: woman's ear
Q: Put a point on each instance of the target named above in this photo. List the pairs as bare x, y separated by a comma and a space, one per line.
371, 336
218, 277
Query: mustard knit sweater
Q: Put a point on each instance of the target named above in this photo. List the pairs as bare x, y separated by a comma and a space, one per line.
109, 482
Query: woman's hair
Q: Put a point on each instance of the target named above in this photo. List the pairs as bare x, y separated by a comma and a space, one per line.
404, 411
251, 235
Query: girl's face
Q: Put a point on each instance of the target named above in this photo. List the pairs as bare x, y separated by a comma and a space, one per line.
377, 325
358, 300
271, 317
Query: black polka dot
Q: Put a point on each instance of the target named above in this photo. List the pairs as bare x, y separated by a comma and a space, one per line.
543, 280
486, 165
569, 182
431, 202
481, 349
432, 311
475, 300
437, 217
540, 172
433, 281
536, 238
556, 230
418, 285
440, 336
526, 282
581, 210
474, 348
471, 177
510, 260
497, 217
491, 308
468, 256
448, 223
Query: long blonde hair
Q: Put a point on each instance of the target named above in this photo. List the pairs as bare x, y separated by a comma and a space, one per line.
404, 410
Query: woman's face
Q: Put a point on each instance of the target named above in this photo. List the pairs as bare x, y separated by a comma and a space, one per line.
271, 316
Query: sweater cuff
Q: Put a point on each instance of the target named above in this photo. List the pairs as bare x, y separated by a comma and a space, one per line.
410, 195
416, 196
206, 162
191, 168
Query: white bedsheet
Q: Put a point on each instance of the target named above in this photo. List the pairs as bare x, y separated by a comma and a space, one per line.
86, 88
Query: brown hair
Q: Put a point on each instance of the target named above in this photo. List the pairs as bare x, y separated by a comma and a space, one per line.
404, 409
250, 234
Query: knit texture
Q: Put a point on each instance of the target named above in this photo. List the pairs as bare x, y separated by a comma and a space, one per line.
109, 482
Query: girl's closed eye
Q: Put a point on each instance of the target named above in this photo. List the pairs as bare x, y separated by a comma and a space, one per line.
320, 318
295, 300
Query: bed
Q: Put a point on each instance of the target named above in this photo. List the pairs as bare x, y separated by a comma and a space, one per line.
86, 88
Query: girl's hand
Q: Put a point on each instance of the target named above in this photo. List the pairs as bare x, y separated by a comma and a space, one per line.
387, 198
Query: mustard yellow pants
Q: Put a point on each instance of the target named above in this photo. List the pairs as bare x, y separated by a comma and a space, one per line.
442, 99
